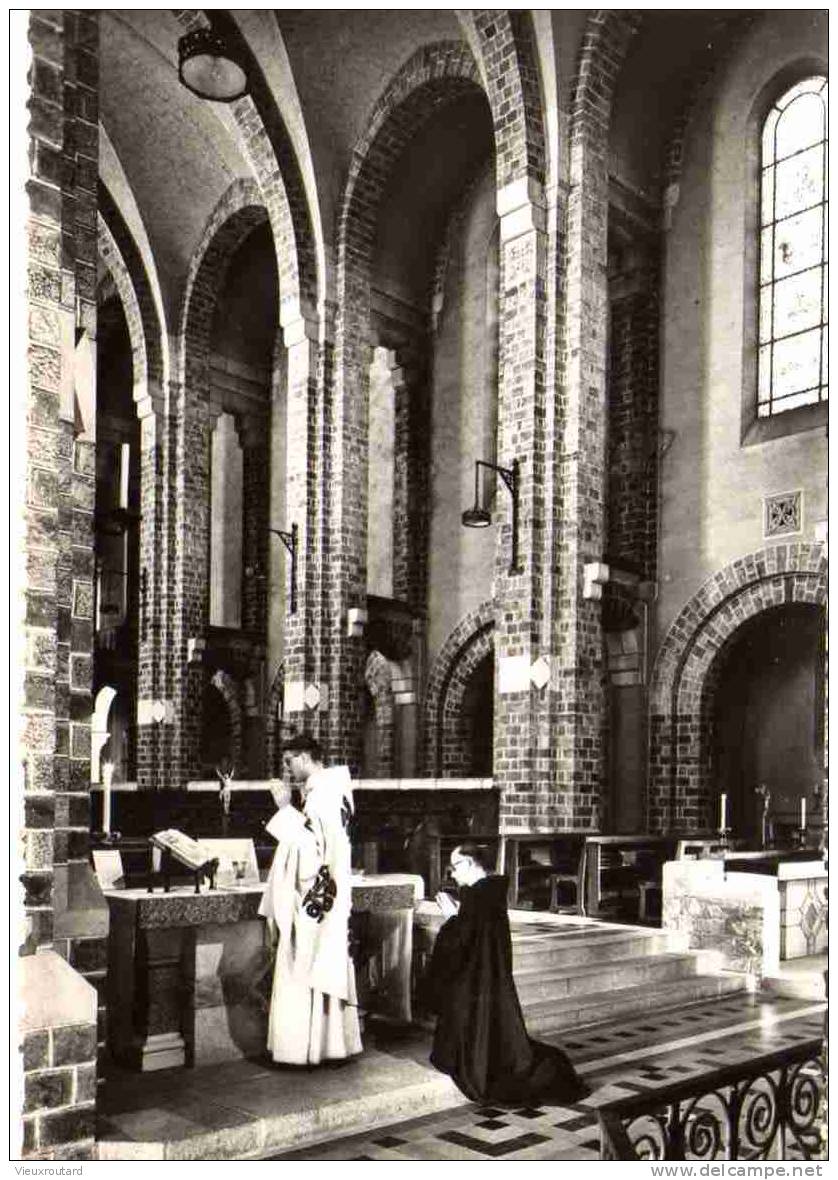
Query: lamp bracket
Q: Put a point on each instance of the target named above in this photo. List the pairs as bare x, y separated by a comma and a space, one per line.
290, 541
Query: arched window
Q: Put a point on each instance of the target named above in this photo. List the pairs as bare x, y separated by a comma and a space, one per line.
793, 316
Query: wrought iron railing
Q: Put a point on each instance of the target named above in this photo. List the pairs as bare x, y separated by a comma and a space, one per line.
767, 1108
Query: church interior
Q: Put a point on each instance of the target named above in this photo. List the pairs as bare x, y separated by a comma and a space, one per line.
450, 386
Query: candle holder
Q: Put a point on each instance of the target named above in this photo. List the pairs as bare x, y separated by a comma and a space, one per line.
108, 839
724, 837
800, 837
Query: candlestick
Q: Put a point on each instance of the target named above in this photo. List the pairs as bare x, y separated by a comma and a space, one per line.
107, 779
722, 812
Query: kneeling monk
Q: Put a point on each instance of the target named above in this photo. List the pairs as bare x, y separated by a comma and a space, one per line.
307, 901
480, 1038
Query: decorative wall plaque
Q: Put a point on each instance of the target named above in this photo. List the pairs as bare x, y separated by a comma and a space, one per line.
783, 514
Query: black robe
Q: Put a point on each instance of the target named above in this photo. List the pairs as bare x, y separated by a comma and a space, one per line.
480, 1038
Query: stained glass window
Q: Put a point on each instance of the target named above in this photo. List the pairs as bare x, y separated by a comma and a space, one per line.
793, 318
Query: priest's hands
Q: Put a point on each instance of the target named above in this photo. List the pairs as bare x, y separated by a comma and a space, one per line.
447, 904
281, 793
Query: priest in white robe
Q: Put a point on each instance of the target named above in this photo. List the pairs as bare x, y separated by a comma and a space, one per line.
307, 901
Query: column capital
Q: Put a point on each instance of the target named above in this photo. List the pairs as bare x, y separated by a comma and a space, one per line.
298, 328
518, 194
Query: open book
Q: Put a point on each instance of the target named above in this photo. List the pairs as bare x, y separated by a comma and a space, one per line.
189, 852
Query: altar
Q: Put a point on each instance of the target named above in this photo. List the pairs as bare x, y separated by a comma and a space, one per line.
189, 974
755, 908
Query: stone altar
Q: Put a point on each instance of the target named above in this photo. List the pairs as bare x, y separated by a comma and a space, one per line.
189, 975
756, 909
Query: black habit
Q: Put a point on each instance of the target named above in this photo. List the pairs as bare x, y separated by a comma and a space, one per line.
480, 1038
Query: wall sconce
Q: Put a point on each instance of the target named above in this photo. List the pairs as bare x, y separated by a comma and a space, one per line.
211, 67
289, 540
479, 517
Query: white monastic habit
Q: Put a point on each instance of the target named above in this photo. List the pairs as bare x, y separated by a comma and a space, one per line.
308, 895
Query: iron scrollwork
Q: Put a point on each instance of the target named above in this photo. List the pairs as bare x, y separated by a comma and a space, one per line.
767, 1108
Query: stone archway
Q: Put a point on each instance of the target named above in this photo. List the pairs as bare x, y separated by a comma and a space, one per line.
229, 692
446, 755
378, 677
684, 677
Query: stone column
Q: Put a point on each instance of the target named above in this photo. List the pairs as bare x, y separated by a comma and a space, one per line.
187, 593
151, 648
307, 691
411, 476
519, 637
344, 544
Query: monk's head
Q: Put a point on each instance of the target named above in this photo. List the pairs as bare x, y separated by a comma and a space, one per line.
469, 862
301, 756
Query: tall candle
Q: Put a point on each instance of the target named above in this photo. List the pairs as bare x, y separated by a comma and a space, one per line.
803, 812
107, 778
722, 812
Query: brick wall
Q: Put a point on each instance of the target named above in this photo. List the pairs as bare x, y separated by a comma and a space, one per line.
681, 793
60, 1069
632, 518
59, 1093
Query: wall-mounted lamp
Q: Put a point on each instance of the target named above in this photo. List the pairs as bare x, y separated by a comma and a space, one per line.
479, 517
289, 540
211, 66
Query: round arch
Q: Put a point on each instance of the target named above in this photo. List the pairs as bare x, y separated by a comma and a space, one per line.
686, 668
469, 643
228, 690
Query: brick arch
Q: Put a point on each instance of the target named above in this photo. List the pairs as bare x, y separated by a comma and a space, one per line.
687, 666
273, 725
378, 677
149, 343
229, 691
150, 358
433, 77
506, 44
465, 647
601, 56
264, 142
239, 211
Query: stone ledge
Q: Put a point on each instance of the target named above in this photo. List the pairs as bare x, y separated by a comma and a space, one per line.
52, 994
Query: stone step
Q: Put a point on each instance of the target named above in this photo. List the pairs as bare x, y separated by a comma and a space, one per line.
257, 1117
549, 1016
530, 954
535, 986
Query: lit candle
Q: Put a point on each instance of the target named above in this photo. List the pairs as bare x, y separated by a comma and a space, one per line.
803, 812
107, 778
722, 812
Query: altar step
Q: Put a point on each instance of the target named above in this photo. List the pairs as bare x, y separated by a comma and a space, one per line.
246, 1110
571, 972
626, 1003
799, 979
588, 973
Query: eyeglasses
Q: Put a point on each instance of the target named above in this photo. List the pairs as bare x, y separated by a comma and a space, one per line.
455, 864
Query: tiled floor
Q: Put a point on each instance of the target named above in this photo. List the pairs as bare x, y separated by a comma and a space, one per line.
616, 1062
220, 1112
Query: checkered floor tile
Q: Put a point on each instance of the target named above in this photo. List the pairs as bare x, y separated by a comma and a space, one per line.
475, 1132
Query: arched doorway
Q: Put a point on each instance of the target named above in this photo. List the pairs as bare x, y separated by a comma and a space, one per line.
477, 719
768, 715
217, 737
